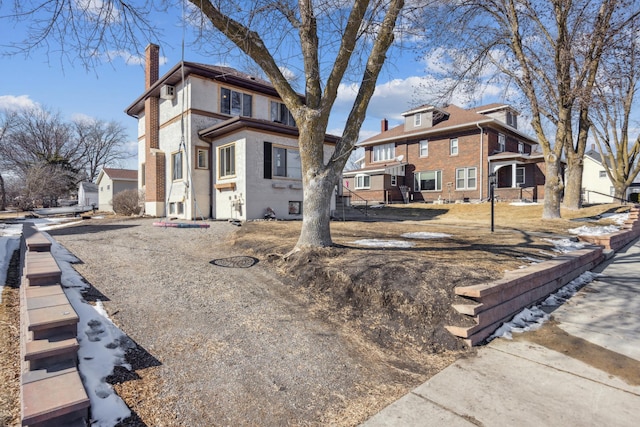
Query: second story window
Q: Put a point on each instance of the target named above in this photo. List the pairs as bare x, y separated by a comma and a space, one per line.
280, 113
501, 143
235, 103
384, 152
520, 147
424, 148
453, 147
176, 161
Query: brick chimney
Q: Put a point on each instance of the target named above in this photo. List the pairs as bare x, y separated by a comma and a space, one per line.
384, 125
154, 158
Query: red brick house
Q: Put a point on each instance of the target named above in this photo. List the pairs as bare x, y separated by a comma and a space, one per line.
447, 154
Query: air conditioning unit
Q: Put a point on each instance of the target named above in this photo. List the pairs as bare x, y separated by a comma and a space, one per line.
167, 92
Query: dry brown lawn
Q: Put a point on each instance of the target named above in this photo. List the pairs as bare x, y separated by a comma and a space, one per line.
391, 303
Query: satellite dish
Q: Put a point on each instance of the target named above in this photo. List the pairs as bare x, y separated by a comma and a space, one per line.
399, 158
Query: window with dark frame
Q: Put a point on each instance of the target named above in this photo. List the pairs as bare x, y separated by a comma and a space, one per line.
176, 162
280, 114
235, 103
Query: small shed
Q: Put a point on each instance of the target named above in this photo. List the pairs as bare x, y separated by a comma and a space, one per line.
112, 181
88, 194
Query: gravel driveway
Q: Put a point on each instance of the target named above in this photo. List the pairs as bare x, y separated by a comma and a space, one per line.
222, 343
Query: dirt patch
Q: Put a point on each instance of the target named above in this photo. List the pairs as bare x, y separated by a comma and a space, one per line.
9, 349
555, 338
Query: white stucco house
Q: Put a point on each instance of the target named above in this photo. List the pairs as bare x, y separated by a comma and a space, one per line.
216, 143
112, 181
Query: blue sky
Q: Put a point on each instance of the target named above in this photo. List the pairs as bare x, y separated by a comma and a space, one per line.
105, 91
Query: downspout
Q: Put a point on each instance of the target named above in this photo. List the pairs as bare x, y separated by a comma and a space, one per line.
211, 189
481, 180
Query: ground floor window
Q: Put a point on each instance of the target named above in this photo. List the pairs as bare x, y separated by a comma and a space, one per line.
363, 182
428, 181
466, 178
176, 208
295, 208
227, 161
519, 176
286, 163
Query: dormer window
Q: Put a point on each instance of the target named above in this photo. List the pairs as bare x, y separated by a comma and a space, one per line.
417, 119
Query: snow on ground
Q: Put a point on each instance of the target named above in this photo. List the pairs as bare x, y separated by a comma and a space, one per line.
594, 231
9, 243
382, 243
532, 318
523, 203
102, 344
425, 235
565, 245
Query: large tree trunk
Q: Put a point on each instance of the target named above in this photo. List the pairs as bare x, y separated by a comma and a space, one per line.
552, 187
316, 231
573, 185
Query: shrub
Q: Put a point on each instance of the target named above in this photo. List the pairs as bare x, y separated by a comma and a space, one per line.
127, 202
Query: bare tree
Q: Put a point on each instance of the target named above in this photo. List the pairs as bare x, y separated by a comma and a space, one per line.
612, 117
551, 51
333, 40
7, 123
102, 144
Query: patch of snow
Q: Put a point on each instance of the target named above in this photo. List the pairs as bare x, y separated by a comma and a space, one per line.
102, 344
618, 218
9, 243
565, 245
381, 243
425, 235
523, 203
531, 319
594, 231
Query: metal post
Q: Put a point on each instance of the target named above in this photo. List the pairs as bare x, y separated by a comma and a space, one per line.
492, 184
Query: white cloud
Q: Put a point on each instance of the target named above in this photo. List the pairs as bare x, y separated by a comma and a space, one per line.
12, 102
129, 58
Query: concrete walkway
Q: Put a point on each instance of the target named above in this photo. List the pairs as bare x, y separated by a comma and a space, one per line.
581, 369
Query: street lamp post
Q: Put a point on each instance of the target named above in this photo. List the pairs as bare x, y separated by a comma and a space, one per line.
492, 185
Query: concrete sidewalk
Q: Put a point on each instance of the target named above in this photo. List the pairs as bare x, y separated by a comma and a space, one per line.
581, 369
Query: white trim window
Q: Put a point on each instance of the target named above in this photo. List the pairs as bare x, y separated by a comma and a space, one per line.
501, 143
428, 181
520, 147
417, 119
384, 152
394, 180
466, 178
424, 148
453, 147
520, 177
362, 181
